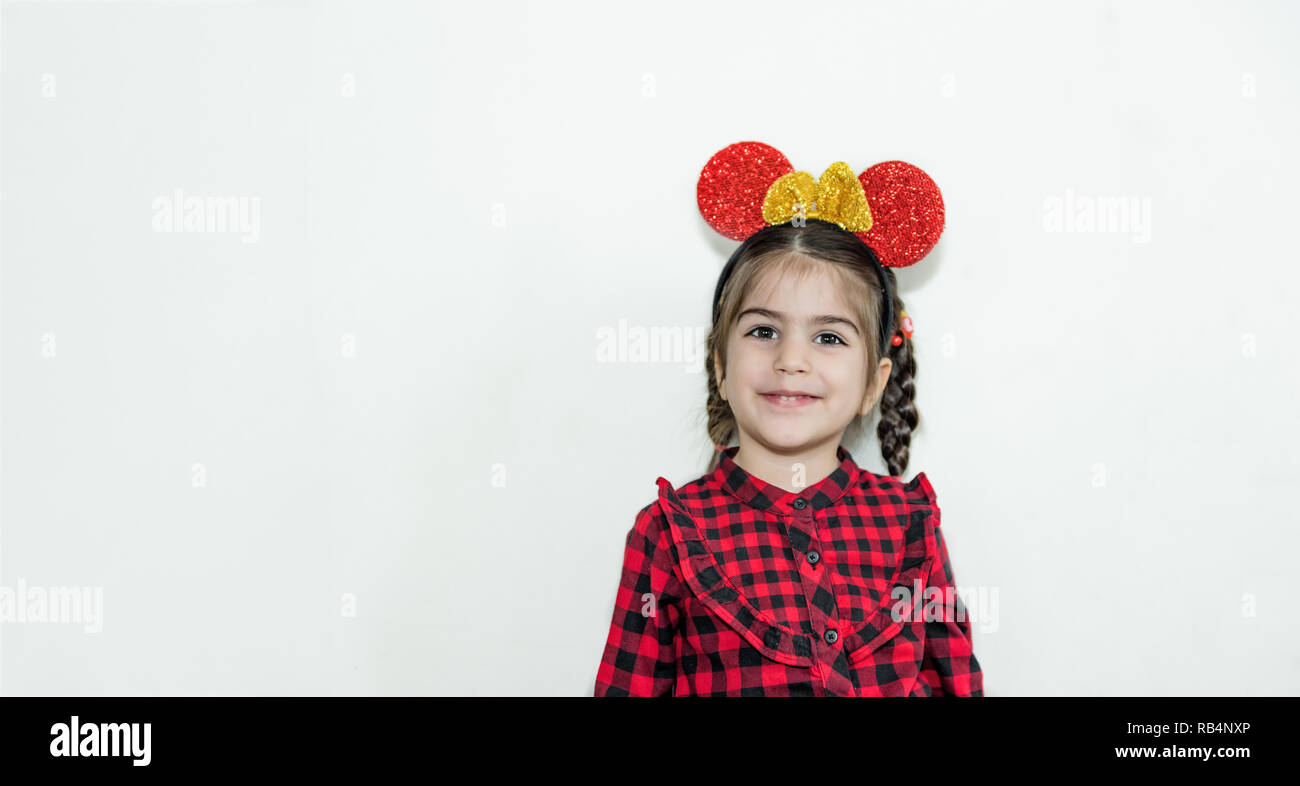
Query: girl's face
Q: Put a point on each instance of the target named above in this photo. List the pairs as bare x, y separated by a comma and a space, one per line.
798, 337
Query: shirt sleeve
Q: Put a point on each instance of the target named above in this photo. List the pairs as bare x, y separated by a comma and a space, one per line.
640, 652
949, 665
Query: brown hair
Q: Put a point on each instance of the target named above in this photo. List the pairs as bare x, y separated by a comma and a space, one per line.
819, 245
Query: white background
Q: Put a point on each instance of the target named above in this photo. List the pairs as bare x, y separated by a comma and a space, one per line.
456, 197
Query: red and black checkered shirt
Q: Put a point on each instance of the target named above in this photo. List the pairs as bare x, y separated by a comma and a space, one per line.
735, 587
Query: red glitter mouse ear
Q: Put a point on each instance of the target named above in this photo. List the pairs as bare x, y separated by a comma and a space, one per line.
733, 185
907, 209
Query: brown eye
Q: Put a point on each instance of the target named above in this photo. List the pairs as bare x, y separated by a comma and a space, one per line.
838, 340
760, 327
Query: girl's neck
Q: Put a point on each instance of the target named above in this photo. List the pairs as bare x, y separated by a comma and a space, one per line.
782, 469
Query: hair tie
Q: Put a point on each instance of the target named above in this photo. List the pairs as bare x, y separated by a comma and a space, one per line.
906, 324
893, 207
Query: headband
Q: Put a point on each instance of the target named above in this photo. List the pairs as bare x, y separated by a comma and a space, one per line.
894, 208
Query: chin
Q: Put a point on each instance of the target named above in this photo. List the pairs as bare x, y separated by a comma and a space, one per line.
787, 438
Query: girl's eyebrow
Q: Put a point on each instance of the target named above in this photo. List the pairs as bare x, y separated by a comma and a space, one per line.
824, 319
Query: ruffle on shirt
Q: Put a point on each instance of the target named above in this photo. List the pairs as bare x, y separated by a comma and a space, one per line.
918, 556
707, 581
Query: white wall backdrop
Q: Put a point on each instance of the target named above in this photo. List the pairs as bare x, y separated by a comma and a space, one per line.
364, 444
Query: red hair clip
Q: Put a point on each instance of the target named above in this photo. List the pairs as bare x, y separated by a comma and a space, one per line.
906, 325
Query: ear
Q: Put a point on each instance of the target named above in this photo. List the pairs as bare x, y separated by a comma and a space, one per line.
883, 371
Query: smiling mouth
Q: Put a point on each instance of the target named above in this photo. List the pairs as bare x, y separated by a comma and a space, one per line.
789, 402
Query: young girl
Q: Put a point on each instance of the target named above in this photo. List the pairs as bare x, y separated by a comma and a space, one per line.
787, 569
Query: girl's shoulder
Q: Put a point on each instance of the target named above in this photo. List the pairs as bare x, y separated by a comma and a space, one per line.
917, 492
920, 494
685, 501
652, 519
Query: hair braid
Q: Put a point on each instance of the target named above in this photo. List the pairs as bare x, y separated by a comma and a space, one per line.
722, 422
898, 415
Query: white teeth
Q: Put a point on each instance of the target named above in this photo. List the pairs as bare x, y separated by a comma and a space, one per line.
792, 398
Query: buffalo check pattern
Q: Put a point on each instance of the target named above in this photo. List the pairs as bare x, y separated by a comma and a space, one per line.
735, 587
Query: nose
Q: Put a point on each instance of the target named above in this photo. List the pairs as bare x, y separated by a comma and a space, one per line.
792, 358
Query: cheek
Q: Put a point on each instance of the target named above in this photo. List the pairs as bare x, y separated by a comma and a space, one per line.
744, 361
844, 370
850, 379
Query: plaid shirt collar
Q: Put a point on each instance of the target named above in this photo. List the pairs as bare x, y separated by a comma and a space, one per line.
761, 495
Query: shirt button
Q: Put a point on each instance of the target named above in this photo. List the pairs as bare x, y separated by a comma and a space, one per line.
799, 504
831, 636
813, 557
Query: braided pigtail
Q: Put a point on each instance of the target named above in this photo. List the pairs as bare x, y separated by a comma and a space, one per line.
898, 415
722, 422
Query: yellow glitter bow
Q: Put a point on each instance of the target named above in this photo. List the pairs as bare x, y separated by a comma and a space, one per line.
836, 197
